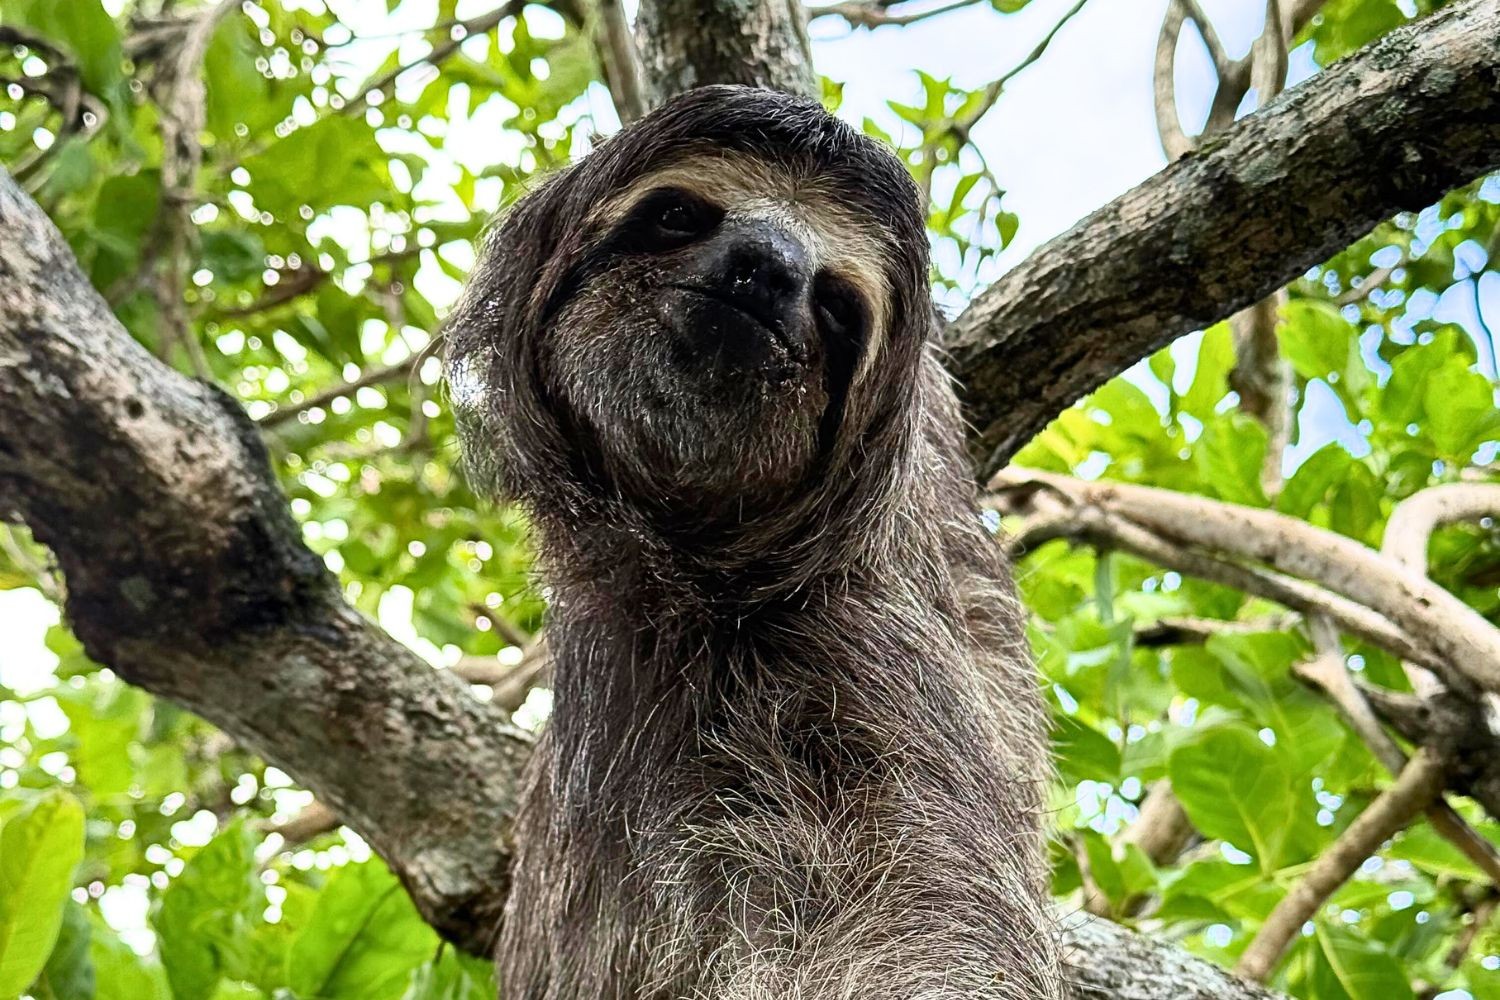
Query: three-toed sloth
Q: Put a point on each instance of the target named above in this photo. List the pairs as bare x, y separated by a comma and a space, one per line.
797, 745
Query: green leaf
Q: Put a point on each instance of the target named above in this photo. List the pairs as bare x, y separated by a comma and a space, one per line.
1321, 344
1421, 845
333, 161
1460, 408
1349, 968
363, 940
1347, 25
1314, 479
69, 974
80, 26
1082, 752
41, 844
119, 973
1229, 457
1211, 378
105, 719
207, 913
1234, 788
453, 976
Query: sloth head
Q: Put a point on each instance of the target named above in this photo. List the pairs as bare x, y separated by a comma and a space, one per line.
723, 303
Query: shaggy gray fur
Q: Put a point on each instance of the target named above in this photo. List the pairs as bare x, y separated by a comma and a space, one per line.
797, 747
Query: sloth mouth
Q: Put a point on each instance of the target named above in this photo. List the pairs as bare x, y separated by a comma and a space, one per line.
786, 344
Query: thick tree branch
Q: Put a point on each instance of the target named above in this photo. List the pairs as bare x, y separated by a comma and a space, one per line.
761, 43
186, 575
1393, 127
1104, 961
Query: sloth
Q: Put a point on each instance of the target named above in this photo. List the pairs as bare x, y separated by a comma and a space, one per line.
797, 744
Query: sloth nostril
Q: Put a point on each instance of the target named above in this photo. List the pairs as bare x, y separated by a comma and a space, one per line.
762, 273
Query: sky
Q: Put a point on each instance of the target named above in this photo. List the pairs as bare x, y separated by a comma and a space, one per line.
1070, 133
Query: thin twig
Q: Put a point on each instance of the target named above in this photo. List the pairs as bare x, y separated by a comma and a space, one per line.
1421, 781
1330, 673
375, 376
993, 90
457, 35
622, 63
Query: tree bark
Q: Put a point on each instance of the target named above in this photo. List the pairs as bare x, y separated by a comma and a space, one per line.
691, 43
1105, 961
187, 576
1394, 127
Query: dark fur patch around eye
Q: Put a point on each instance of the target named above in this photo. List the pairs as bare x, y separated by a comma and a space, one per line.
664, 219
845, 323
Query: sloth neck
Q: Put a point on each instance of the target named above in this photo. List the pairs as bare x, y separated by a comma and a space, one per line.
649, 647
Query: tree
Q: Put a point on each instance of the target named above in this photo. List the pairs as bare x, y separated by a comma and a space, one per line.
1271, 715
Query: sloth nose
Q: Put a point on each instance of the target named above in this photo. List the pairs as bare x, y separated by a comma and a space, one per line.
764, 271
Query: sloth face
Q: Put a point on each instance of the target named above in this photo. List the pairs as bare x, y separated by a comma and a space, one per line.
719, 314
694, 315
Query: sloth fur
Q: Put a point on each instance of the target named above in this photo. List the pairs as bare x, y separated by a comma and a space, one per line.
797, 745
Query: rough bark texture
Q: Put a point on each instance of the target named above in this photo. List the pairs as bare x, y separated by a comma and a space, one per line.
1107, 962
690, 43
187, 575
1393, 127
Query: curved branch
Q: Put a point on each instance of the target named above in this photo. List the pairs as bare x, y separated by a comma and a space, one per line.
1174, 140
1414, 519
1088, 516
188, 577
1453, 630
1278, 192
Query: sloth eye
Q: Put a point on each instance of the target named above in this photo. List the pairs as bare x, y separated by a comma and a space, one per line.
838, 310
677, 218
668, 218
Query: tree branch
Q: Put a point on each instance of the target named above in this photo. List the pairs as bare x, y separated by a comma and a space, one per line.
1457, 633
1420, 782
1414, 519
1330, 673
1174, 140
761, 43
187, 576
1071, 508
876, 13
1104, 961
1217, 230
622, 64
